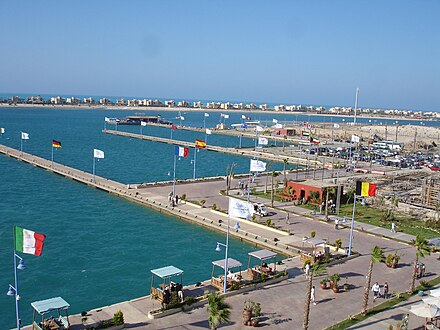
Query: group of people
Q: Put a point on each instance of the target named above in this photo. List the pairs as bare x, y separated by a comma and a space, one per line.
243, 187
174, 200
420, 270
380, 291
176, 290
330, 206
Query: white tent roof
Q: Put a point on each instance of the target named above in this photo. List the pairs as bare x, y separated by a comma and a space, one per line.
232, 263
315, 241
263, 254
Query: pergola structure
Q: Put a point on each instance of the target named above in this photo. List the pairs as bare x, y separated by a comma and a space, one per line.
263, 256
49, 306
314, 243
218, 282
166, 274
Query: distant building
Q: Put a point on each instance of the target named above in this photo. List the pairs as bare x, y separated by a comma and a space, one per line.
251, 106
170, 103
264, 106
280, 107
183, 104
89, 100
58, 100
198, 104
72, 100
121, 102
213, 105
285, 131
105, 101
132, 103
226, 106
15, 100
35, 100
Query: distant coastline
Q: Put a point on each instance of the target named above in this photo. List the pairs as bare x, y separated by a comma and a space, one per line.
202, 110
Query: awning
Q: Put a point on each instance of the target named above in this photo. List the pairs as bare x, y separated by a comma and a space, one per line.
232, 263
314, 241
44, 306
166, 272
263, 254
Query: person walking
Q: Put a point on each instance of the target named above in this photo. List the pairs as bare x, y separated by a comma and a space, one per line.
176, 199
312, 295
170, 196
307, 269
386, 290
287, 219
337, 223
393, 227
376, 289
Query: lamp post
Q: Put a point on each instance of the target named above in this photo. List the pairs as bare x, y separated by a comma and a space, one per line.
13, 289
226, 246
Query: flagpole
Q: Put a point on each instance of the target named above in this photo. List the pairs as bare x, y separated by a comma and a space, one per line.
239, 144
171, 133
195, 158
21, 143
174, 177
204, 121
225, 280
352, 226
94, 168
17, 297
141, 128
52, 154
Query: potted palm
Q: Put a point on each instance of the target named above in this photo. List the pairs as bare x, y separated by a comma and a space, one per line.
218, 310
335, 278
392, 260
324, 283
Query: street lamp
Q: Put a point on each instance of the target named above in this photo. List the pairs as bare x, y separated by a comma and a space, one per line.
226, 246
13, 290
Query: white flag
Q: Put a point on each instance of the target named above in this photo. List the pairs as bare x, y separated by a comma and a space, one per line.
259, 128
355, 139
239, 208
336, 125
208, 131
226, 116
206, 114
278, 126
257, 166
98, 153
2, 130
275, 121
263, 141
107, 119
24, 136
182, 118
143, 123
243, 117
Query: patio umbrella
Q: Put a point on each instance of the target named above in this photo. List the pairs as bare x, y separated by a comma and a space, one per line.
430, 300
435, 292
428, 311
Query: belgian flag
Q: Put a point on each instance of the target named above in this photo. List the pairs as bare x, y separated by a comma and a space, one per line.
365, 189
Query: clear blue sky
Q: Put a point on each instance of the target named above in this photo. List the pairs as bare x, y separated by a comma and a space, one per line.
291, 52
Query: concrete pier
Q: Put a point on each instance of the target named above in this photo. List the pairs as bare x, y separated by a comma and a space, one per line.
245, 152
252, 232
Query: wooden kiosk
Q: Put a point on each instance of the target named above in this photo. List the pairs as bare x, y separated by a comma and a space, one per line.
313, 249
50, 306
255, 272
165, 274
218, 282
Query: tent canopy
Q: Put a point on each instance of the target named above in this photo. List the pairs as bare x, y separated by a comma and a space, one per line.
263, 254
44, 306
166, 272
232, 263
314, 241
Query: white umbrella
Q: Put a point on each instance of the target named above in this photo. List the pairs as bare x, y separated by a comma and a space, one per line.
432, 301
435, 292
423, 310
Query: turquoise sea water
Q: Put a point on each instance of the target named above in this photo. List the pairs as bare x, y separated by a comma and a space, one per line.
99, 248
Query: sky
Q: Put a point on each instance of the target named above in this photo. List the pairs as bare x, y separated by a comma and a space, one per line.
286, 52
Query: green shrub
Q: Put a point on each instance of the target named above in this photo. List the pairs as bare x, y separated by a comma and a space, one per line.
183, 197
313, 234
118, 318
268, 222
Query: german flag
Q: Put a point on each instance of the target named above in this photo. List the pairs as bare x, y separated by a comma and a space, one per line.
56, 144
200, 144
365, 189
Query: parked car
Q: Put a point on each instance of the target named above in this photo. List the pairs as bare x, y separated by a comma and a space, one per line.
260, 209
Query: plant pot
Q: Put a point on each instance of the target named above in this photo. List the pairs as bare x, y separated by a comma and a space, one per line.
324, 286
332, 284
254, 323
247, 315
335, 289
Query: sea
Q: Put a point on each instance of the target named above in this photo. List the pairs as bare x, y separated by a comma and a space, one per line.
99, 248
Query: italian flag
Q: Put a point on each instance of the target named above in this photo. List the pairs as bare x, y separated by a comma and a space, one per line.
28, 241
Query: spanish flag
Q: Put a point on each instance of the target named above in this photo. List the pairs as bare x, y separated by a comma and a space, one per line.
56, 144
200, 144
365, 189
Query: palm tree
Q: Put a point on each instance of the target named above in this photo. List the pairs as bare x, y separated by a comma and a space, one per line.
422, 250
376, 256
285, 175
269, 167
315, 270
219, 311
229, 176
274, 174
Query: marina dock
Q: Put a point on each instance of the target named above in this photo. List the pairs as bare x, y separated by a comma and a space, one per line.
254, 233
245, 152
